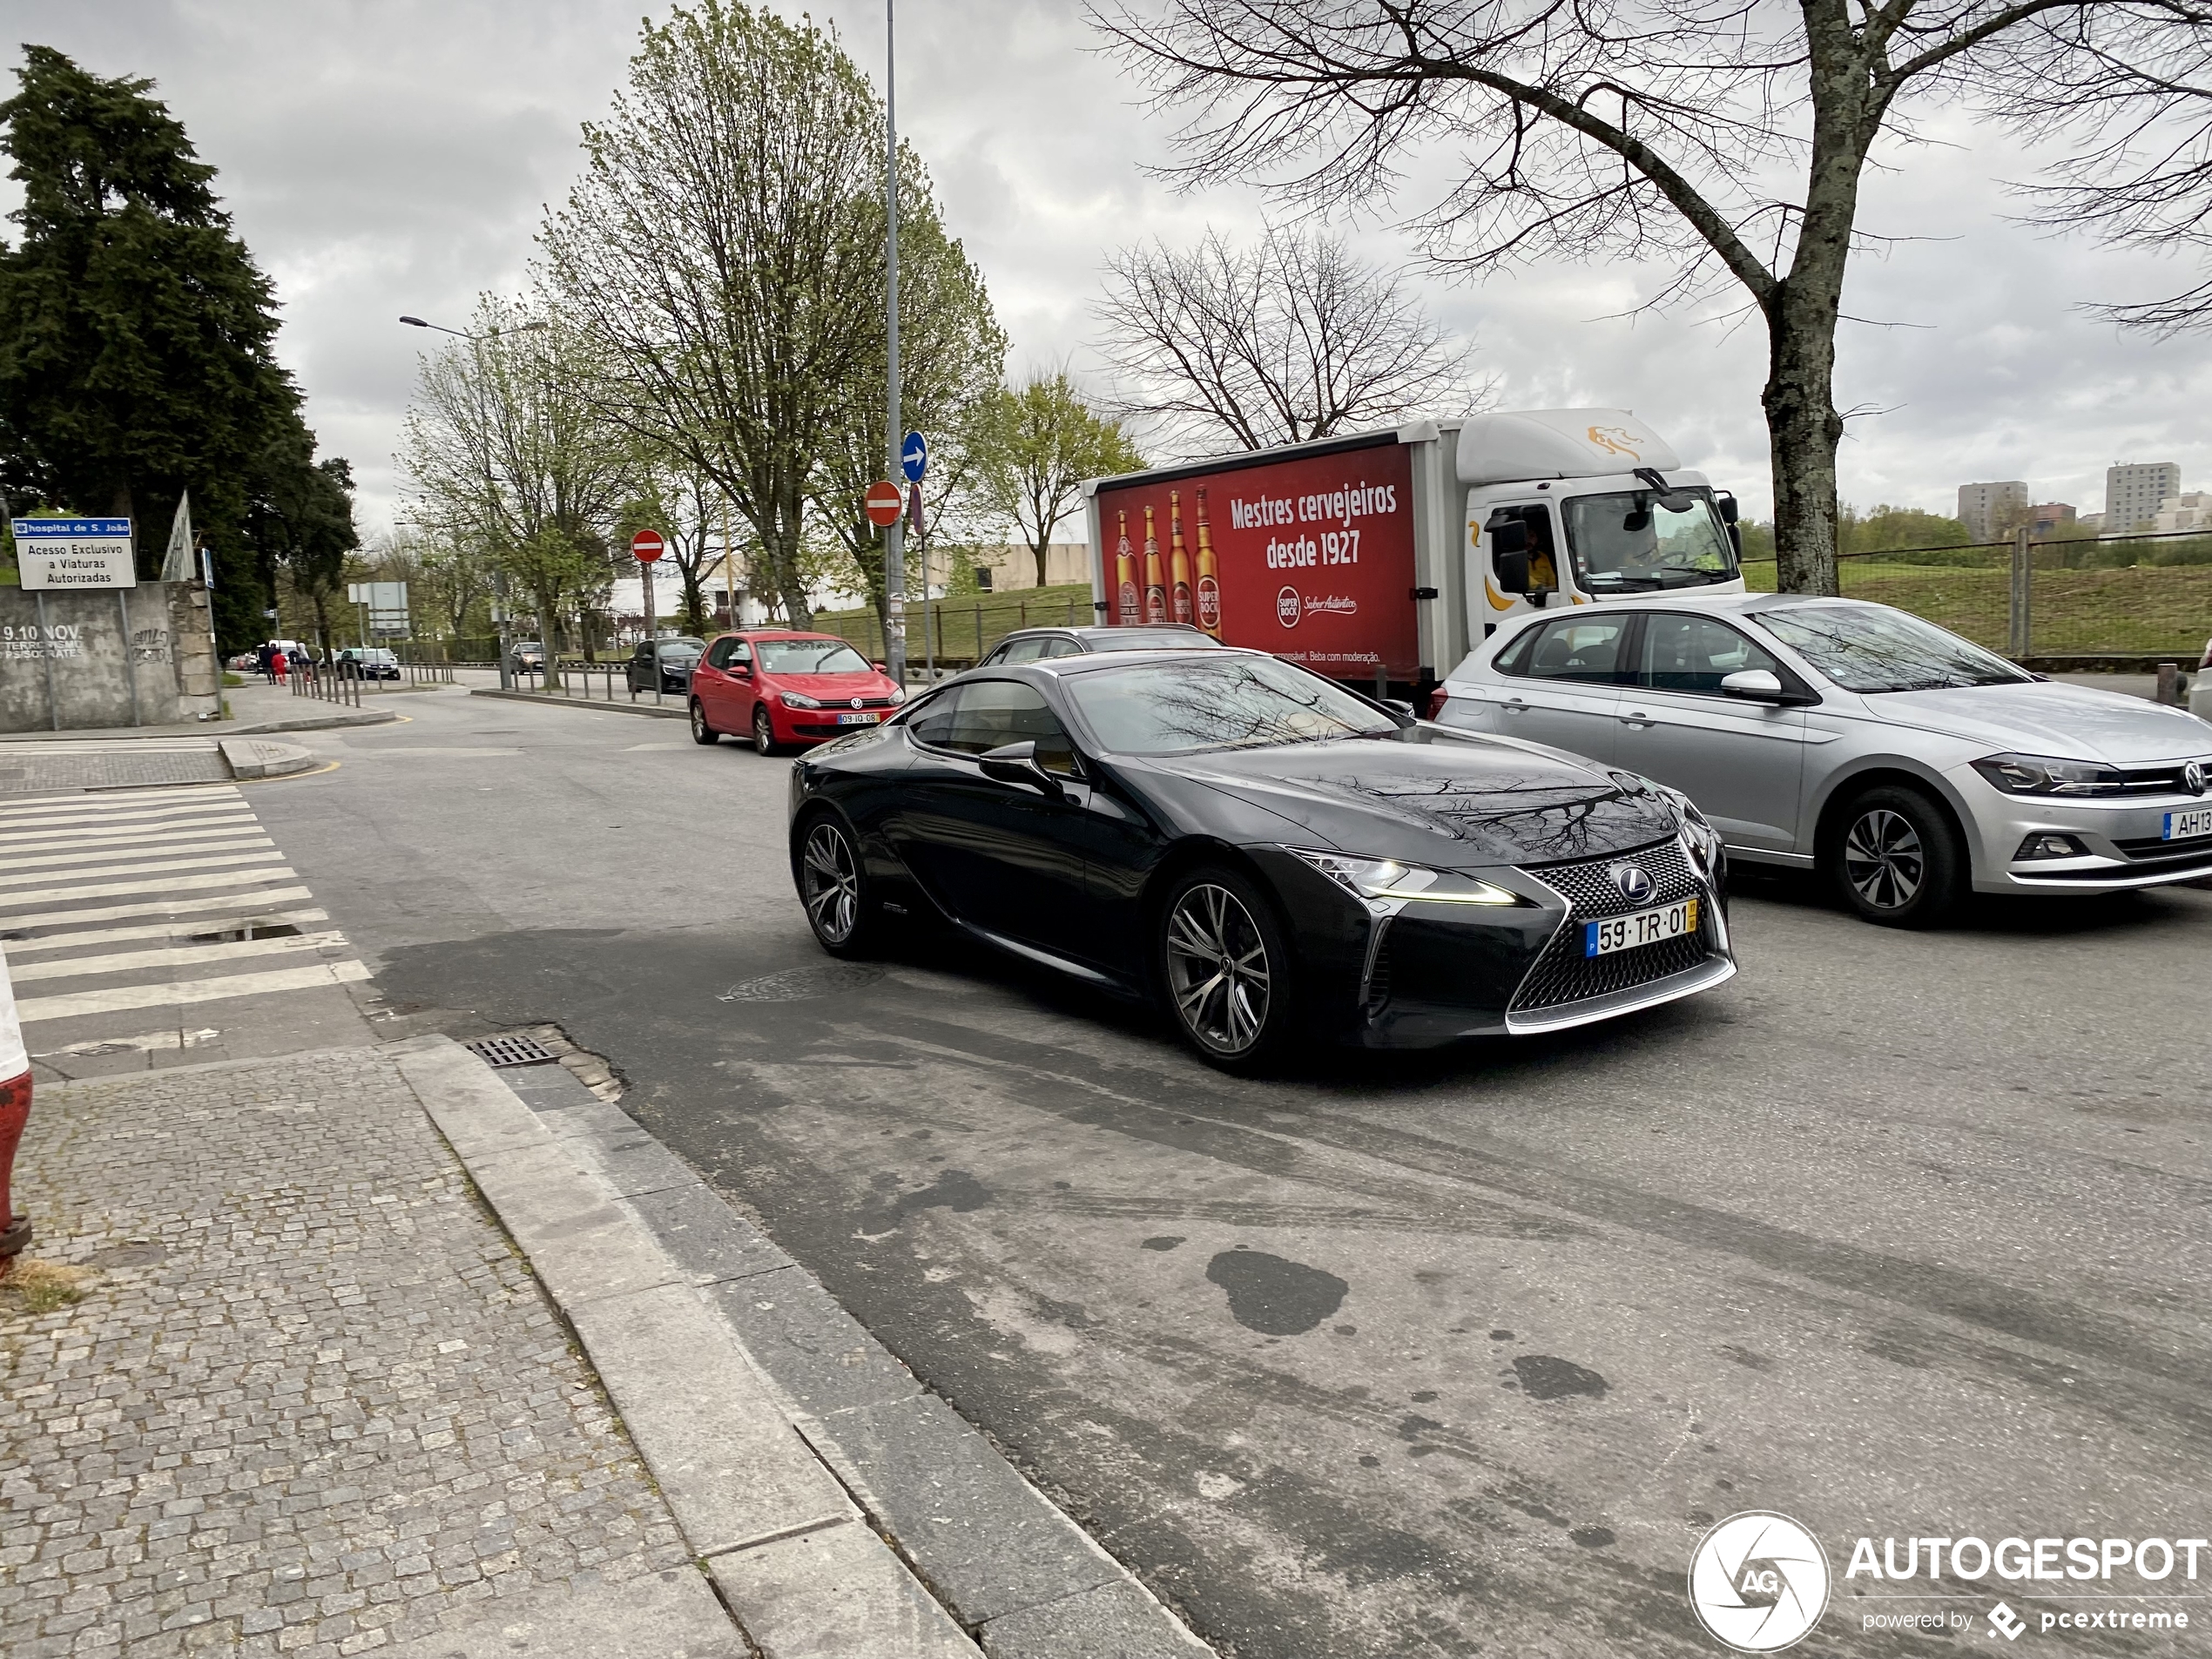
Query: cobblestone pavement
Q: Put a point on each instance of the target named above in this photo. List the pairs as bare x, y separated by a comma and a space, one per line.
313, 1404
27, 768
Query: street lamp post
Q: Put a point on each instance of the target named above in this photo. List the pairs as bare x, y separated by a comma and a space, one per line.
895, 539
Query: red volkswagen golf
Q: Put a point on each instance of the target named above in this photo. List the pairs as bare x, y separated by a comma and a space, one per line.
785, 687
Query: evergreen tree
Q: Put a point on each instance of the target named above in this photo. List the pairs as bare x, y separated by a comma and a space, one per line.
135, 331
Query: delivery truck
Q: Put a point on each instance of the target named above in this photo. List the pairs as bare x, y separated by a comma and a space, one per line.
1381, 559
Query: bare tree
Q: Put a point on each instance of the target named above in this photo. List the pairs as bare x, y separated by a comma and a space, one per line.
1037, 442
505, 454
1291, 339
1640, 127
724, 249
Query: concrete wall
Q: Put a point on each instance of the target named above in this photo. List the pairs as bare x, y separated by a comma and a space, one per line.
73, 668
1014, 568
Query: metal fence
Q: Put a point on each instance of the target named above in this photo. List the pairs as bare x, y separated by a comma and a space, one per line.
2138, 598
333, 683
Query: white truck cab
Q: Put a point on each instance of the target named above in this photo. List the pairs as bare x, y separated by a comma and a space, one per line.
1569, 507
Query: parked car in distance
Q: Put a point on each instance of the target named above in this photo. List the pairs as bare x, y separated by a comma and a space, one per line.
1907, 765
784, 688
663, 664
526, 656
1270, 855
370, 663
1041, 645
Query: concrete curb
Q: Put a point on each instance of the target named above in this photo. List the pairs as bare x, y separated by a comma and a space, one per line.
659, 711
258, 757
791, 1444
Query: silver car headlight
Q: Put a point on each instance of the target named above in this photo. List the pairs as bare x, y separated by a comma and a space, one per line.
2042, 775
800, 700
1386, 885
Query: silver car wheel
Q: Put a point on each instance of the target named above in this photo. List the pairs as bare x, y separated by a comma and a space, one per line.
830, 883
1883, 859
1217, 968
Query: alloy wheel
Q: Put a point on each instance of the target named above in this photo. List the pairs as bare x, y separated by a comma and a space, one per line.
764, 734
701, 733
1217, 968
1883, 859
830, 883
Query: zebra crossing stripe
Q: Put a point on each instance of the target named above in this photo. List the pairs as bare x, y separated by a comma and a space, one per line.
231, 841
35, 1009
173, 884
18, 948
172, 956
198, 823
140, 869
233, 901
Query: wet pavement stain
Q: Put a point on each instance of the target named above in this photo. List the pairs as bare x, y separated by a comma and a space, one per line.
1543, 1377
1273, 1296
954, 1189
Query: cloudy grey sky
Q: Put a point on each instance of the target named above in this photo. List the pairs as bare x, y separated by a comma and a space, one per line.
389, 156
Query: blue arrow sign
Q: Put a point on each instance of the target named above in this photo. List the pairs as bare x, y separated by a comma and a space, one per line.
914, 457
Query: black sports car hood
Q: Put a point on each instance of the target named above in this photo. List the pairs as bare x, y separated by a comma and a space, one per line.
1434, 796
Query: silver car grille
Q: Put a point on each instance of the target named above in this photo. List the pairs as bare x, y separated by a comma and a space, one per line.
1562, 974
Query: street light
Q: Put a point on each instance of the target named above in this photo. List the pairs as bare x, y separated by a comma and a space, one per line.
519, 328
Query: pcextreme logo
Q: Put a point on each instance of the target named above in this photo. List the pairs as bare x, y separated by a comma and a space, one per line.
1758, 1581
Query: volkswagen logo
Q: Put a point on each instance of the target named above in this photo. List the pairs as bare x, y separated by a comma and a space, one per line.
857, 702
1633, 880
2194, 778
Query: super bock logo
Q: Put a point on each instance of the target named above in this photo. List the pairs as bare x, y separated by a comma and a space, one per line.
1758, 1581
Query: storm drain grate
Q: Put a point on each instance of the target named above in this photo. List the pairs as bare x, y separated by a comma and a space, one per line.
509, 1051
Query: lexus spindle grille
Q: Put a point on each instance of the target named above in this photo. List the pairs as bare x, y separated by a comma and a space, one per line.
1562, 974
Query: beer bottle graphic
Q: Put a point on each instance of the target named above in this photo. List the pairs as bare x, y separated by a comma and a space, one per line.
1209, 575
1126, 602
1156, 590
1178, 559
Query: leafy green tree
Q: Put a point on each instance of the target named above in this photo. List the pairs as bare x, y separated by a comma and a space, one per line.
1038, 441
1886, 527
300, 519
136, 333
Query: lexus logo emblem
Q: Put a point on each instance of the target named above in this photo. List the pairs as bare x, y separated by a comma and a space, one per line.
1633, 880
2193, 779
858, 701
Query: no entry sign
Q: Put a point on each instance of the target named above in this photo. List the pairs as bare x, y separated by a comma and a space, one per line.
646, 546
883, 505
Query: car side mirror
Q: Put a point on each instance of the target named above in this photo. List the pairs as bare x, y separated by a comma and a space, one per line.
1755, 685
1016, 763
1398, 705
880, 668
1729, 509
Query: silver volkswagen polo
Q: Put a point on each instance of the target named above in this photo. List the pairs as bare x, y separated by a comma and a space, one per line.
1906, 764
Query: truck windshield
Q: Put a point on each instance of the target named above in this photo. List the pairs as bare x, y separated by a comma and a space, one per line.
1631, 543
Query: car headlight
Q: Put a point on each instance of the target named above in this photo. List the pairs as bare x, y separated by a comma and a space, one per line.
898, 696
1386, 883
800, 700
2041, 775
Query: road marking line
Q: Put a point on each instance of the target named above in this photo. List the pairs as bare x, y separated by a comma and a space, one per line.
18, 948
90, 835
120, 889
135, 869
230, 841
33, 1009
163, 907
129, 824
152, 1041
174, 956
78, 800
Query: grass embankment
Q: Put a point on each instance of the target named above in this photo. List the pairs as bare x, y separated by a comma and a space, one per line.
962, 629
2145, 610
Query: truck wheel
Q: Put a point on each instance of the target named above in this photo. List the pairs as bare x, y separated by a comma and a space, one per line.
1894, 856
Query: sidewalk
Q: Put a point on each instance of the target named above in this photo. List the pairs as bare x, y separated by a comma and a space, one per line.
317, 1400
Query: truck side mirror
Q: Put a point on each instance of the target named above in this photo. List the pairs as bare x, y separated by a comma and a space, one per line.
1727, 504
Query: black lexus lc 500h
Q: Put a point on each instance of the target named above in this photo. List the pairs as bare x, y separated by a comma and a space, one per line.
1272, 857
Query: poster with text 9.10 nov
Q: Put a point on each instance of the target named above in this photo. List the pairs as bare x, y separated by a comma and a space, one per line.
1311, 559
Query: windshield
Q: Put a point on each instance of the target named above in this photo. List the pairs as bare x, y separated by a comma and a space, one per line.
373, 656
1631, 543
681, 647
811, 657
1871, 648
1238, 703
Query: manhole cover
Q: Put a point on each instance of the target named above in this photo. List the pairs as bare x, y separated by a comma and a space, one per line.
509, 1051
797, 984
247, 930
136, 1255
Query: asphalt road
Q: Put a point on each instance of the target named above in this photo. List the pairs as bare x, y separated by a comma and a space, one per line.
1896, 1234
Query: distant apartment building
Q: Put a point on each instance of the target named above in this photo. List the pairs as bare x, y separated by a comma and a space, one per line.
1991, 511
2133, 493
2047, 517
2189, 512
